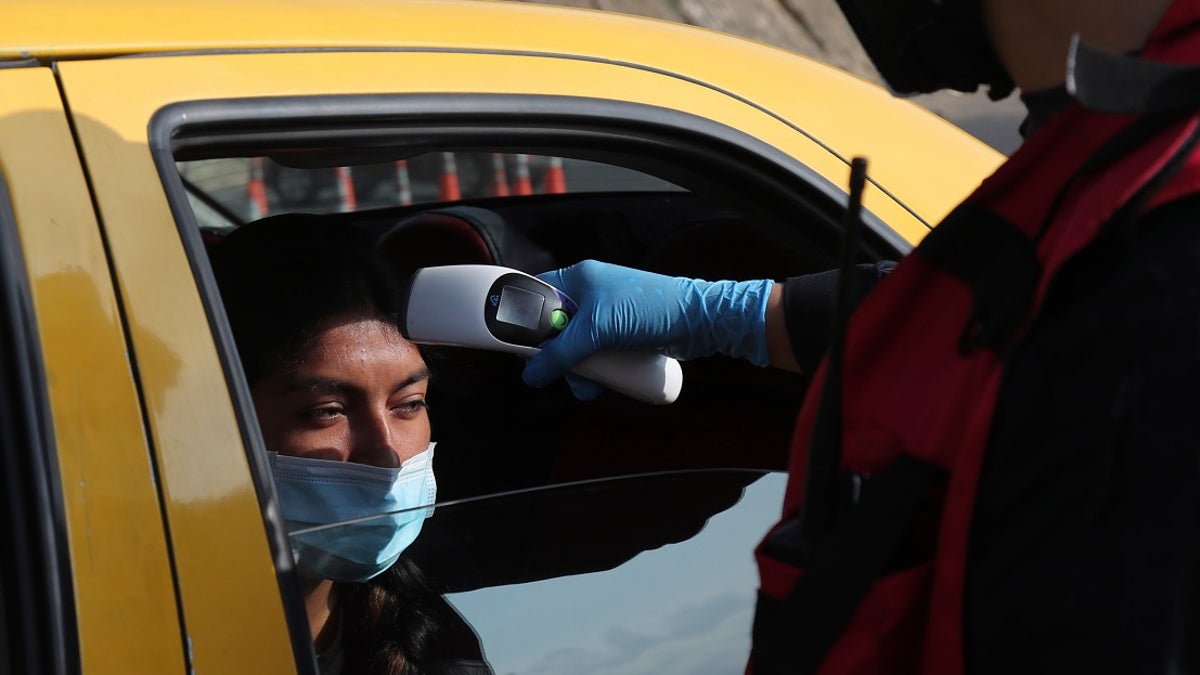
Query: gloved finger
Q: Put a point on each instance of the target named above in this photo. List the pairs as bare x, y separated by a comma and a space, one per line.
583, 388
554, 359
555, 278
561, 353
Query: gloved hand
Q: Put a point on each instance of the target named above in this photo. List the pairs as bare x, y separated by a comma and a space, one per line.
623, 308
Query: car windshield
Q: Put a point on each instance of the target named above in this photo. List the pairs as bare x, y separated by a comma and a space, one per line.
599, 576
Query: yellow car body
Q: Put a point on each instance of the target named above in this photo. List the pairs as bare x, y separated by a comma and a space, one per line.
138, 489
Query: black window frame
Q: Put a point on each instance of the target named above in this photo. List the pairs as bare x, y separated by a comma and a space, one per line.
39, 630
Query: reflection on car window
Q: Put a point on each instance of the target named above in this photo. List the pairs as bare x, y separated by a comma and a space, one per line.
256, 187
603, 578
593, 577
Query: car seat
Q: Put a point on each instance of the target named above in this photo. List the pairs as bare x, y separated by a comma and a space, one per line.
460, 235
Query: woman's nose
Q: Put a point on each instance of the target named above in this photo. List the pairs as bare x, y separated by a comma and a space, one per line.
374, 441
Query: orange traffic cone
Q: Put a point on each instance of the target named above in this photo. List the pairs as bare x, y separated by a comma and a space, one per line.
499, 176
346, 189
448, 184
522, 185
403, 182
256, 190
556, 181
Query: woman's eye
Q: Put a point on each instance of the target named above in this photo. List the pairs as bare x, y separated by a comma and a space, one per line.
411, 407
323, 413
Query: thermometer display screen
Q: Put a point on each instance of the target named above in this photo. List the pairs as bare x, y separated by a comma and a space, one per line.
520, 307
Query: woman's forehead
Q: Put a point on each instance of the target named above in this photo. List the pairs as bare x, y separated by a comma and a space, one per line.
360, 336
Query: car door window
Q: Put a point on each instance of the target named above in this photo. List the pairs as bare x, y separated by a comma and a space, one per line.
707, 206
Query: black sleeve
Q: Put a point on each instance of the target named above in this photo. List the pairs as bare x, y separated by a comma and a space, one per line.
808, 308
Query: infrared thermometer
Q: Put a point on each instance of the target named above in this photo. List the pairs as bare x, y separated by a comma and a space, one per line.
501, 309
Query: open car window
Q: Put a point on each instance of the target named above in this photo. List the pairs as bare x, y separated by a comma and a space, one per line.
635, 186
536, 493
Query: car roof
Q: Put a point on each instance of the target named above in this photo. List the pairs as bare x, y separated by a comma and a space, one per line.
838, 110
66, 29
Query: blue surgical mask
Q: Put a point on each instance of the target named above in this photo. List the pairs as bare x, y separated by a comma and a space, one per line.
381, 503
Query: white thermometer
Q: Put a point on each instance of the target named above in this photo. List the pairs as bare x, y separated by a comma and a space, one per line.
501, 309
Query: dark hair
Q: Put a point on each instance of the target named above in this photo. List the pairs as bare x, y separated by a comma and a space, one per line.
425, 636
283, 280
286, 278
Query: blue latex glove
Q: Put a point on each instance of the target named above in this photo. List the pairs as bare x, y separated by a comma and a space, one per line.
623, 308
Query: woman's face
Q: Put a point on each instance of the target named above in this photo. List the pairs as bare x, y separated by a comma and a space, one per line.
356, 395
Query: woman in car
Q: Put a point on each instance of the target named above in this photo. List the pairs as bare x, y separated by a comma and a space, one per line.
340, 398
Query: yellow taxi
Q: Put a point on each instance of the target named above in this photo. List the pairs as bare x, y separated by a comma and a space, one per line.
142, 530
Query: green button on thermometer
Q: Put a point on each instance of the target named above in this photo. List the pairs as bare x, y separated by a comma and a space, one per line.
559, 319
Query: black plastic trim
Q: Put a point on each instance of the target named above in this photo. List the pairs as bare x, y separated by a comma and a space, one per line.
19, 63
35, 569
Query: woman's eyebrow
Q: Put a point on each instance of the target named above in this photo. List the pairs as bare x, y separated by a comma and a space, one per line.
331, 385
319, 385
417, 376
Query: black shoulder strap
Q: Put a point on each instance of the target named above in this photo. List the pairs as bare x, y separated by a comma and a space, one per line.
997, 261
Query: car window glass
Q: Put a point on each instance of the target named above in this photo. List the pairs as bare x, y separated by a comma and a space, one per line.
658, 612
582, 579
259, 186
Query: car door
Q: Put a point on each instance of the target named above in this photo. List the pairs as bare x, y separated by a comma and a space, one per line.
135, 118
86, 565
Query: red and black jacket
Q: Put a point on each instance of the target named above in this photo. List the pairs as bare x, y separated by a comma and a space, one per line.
925, 358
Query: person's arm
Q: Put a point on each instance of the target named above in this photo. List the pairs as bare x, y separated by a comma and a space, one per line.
807, 306
627, 309
623, 308
779, 342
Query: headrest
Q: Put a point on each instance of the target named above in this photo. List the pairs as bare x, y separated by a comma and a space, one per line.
210, 238
460, 235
